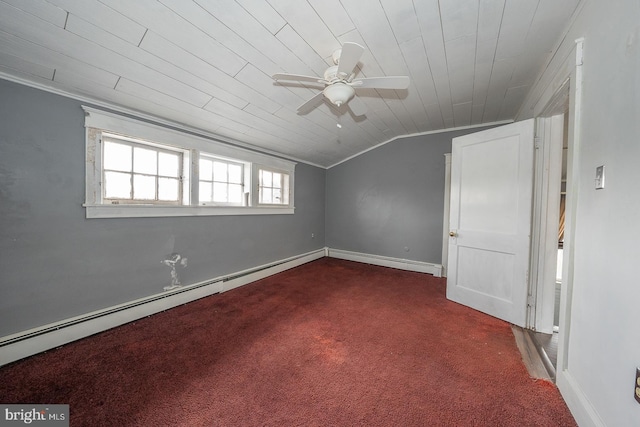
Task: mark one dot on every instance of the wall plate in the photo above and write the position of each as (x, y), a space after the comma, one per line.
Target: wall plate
(600, 177)
(637, 388)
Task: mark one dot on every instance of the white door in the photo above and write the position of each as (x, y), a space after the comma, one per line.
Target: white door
(490, 220)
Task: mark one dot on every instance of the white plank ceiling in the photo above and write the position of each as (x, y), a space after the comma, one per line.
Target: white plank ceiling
(206, 64)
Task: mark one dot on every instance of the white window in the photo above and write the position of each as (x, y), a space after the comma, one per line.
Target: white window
(273, 187)
(139, 169)
(135, 172)
(221, 182)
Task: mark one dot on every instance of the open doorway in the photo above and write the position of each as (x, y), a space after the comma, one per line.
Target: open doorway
(561, 222)
(552, 152)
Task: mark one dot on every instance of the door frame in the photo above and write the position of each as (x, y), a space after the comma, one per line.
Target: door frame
(445, 218)
(567, 76)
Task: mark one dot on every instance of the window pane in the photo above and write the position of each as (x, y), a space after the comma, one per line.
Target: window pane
(235, 193)
(266, 178)
(117, 185)
(168, 189)
(235, 174)
(117, 156)
(277, 196)
(205, 192)
(144, 187)
(219, 171)
(206, 169)
(277, 180)
(265, 195)
(220, 192)
(145, 161)
(169, 165)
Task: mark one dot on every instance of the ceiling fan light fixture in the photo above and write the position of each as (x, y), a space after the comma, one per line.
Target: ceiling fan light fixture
(340, 82)
(339, 93)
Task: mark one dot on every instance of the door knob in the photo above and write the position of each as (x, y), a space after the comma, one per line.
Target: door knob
(452, 233)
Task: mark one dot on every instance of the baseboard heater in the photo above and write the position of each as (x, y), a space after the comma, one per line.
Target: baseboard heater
(125, 313)
(105, 312)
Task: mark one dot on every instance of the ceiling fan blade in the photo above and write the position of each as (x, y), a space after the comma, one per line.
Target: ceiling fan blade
(297, 78)
(357, 106)
(311, 104)
(351, 53)
(393, 82)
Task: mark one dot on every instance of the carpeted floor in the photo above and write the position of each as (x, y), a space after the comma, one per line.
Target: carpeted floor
(330, 343)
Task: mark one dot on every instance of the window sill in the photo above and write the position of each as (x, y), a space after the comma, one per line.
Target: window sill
(149, 211)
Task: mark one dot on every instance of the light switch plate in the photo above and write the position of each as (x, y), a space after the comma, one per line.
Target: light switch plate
(599, 177)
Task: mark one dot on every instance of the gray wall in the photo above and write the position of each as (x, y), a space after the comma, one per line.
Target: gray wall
(55, 263)
(389, 201)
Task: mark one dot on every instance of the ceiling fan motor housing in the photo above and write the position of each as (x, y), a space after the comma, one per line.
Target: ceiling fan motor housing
(331, 74)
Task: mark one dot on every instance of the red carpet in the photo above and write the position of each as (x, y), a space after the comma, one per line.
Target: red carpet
(331, 343)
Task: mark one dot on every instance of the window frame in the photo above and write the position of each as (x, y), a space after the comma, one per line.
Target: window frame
(99, 122)
(245, 180)
(133, 142)
(259, 168)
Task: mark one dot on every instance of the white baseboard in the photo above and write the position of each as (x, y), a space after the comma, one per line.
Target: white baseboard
(245, 277)
(27, 343)
(578, 403)
(402, 264)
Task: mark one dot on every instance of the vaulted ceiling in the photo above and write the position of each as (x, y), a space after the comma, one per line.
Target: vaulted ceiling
(207, 64)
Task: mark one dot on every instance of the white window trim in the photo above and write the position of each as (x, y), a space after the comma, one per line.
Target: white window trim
(256, 184)
(246, 179)
(185, 169)
(153, 211)
(193, 145)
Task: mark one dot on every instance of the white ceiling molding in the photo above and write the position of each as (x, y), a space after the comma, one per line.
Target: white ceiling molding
(431, 132)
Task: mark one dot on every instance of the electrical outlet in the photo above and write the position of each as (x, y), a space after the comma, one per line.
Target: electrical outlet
(637, 392)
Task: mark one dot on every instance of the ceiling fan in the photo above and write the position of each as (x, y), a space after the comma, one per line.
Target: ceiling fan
(340, 82)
